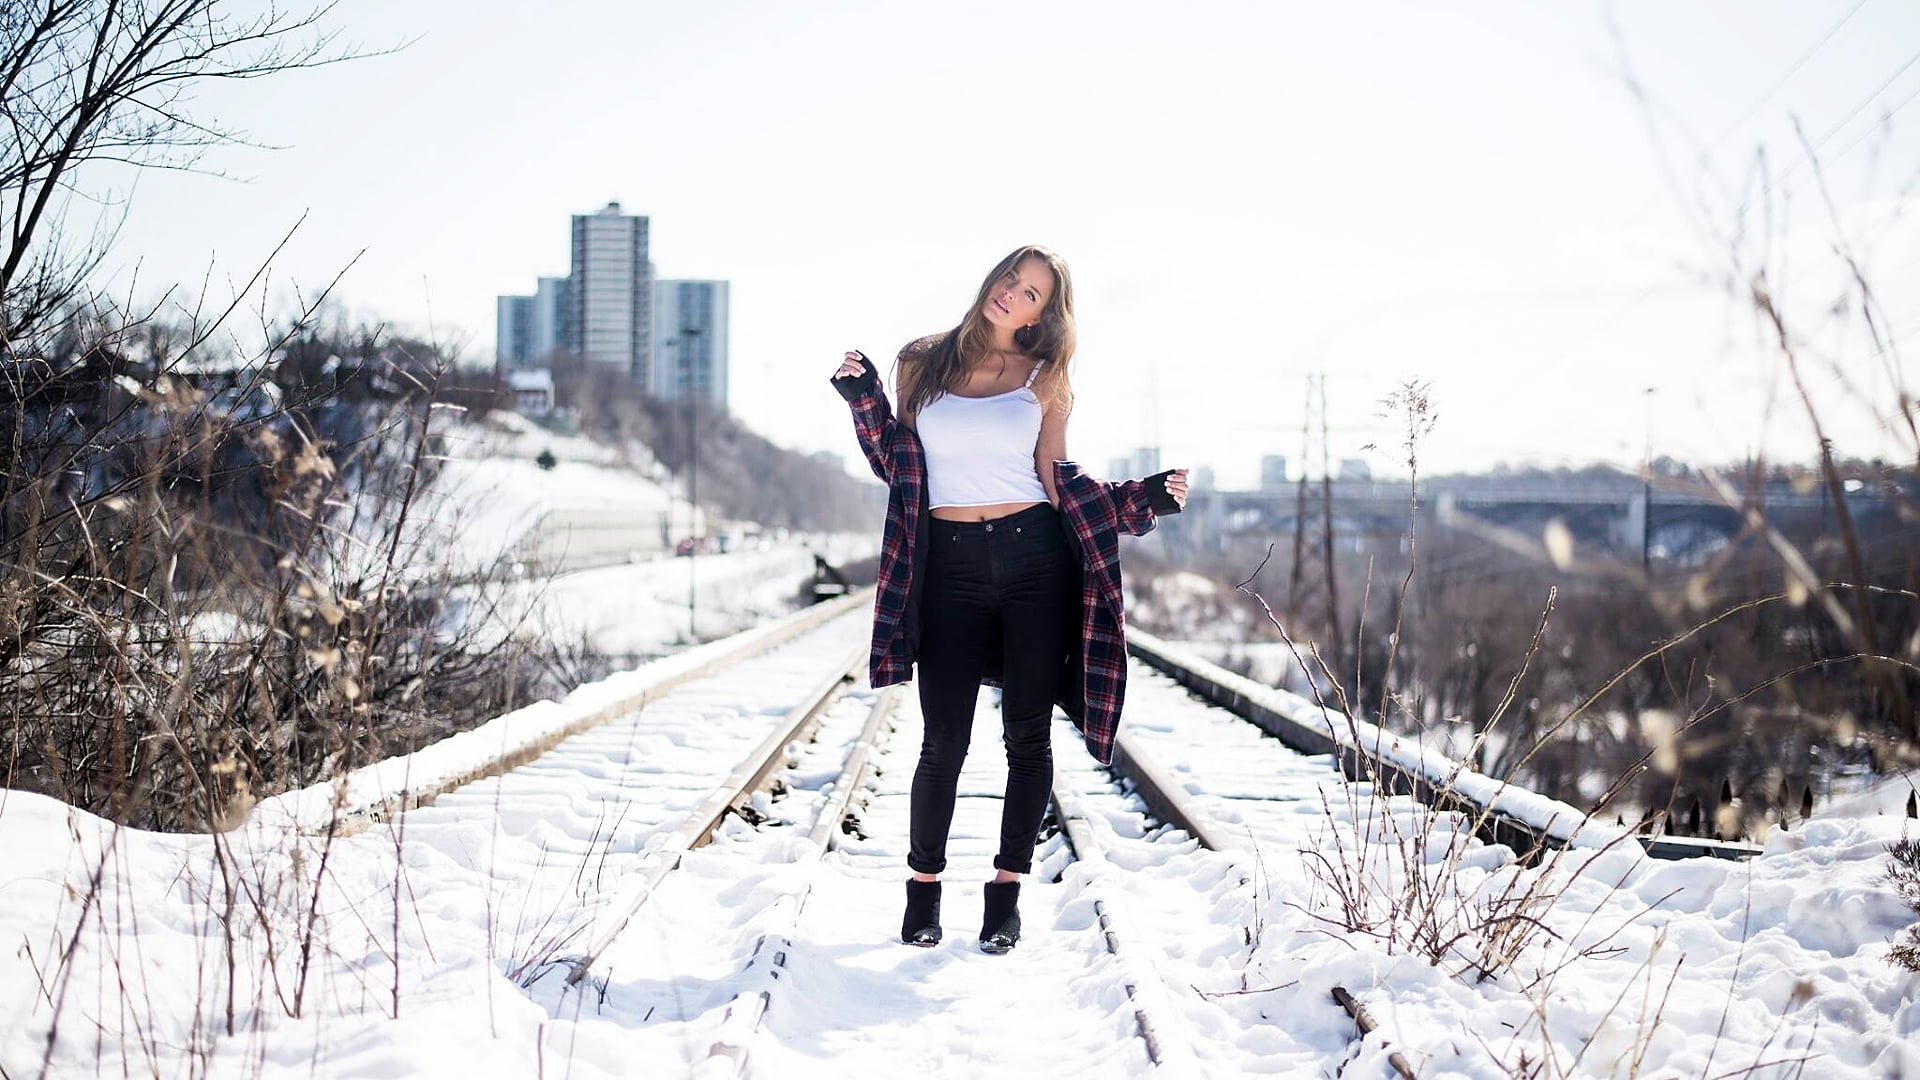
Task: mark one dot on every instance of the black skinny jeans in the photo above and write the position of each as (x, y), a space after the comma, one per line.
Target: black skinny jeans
(1016, 575)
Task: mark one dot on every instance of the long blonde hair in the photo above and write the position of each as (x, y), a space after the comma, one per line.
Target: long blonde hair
(941, 362)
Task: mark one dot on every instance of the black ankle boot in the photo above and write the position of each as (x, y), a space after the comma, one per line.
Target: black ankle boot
(921, 926)
(1000, 926)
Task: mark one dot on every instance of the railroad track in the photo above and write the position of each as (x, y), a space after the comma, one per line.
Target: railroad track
(822, 867)
(1502, 813)
(759, 779)
(816, 910)
(1254, 799)
(1241, 770)
(583, 828)
(380, 791)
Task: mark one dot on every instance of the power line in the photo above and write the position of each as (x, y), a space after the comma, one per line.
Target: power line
(1906, 101)
(1868, 100)
(1754, 110)
(1768, 186)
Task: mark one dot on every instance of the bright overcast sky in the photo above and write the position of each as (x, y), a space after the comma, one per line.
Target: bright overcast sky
(1467, 194)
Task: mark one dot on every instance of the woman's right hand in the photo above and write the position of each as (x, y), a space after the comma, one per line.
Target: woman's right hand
(851, 366)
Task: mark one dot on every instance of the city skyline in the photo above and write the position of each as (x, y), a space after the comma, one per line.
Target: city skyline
(597, 312)
(1542, 213)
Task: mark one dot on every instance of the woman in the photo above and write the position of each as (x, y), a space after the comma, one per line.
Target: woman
(998, 539)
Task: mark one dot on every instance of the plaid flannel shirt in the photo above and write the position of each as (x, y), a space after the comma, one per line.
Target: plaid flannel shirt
(1093, 682)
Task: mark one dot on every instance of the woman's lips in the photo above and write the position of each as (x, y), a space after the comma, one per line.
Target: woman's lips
(1004, 310)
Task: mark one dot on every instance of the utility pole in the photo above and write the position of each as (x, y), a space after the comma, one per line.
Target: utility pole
(1300, 510)
(1308, 580)
(1326, 521)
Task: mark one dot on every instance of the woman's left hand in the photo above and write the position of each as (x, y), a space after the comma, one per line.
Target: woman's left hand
(1177, 487)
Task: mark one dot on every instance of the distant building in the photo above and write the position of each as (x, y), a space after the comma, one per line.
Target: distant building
(513, 331)
(610, 296)
(690, 341)
(1355, 469)
(1202, 478)
(532, 390)
(552, 311)
(1145, 461)
(529, 328)
(1273, 471)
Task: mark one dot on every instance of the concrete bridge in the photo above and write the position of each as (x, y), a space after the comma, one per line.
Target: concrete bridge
(1668, 522)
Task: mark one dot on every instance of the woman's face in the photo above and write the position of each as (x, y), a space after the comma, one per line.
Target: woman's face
(1021, 294)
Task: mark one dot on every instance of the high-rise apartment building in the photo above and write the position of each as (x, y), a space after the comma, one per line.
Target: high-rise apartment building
(529, 328)
(690, 341)
(552, 316)
(610, 294)
(513, 331)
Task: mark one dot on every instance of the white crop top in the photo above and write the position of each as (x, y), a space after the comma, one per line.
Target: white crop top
(980, 450)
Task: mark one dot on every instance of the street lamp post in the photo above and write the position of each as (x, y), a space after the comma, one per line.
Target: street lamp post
(688, 338)
(1646, 493)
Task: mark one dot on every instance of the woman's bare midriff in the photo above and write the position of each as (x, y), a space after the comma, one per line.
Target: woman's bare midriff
(980, 513)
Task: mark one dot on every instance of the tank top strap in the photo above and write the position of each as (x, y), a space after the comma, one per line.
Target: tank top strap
(1030, 375)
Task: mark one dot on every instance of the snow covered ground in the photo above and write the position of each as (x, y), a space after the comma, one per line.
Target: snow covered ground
(491, 491)
(595, 506)
(1267, 663)
(1876, 795)
(611, 520)
(641, 610)
(436, 946)
(397, 951)
(1773, 967)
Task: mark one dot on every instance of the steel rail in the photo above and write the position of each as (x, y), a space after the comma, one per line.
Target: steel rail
(358, 813)
(748, 1009)
(1167, 1045)
(827, 828)
(1162, 794)
(1524, 832)
(696, 829)
(1169, 801)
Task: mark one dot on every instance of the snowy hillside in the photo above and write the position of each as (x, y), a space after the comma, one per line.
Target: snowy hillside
(492, 492)
(604, 524)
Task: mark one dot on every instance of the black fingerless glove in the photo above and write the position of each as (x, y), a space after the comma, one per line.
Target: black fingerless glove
(1159, 499)
(852, 386)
